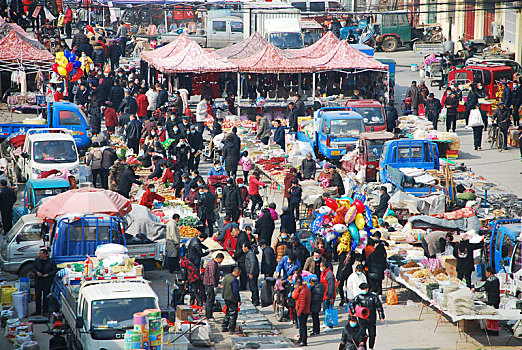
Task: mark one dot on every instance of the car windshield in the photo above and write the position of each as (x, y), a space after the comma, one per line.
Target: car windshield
(118, 313)
(57, 151)
(501, 75)
(374, 149)
(346, 127)
(287, 40)
(14, 230)
(371, 115)
(47, 192)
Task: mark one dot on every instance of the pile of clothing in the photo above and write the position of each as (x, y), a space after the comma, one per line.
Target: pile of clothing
(460, 302)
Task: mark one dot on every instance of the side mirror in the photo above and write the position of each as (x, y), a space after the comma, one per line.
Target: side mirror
(79, 322)
(25, 155)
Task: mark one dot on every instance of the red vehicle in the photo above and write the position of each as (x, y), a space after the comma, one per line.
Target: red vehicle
(371, 111)
(370, 149)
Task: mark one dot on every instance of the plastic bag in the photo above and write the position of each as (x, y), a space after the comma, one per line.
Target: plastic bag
(331, 317)
(391, 297)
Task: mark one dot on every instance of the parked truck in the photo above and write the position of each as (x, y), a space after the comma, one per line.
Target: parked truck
(35, 191)
(408, 154)
(371, 111)
(41, 150)
(332, 132)
(71, 238)
(99, 311)
(65, 115)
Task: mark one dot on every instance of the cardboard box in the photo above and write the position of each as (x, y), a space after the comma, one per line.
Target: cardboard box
(183, 312)
(450, 265)
(470, 325)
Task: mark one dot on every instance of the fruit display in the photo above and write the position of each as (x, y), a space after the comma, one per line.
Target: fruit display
(188, 231)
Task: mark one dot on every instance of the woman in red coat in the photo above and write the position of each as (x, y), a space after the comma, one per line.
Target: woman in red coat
(111, 118)
(143, 104)
(149, 196)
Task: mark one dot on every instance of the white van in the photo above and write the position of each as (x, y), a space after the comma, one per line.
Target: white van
(317, 5)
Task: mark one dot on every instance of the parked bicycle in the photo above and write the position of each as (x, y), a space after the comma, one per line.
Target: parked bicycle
(496, 137)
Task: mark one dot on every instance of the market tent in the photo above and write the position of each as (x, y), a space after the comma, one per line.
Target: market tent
(193, 59)
(271, 60)
(15, 27)
(85, 200)
(245, 48)
(343, 56)
(17, 52)
(320, 48)
(162, 52)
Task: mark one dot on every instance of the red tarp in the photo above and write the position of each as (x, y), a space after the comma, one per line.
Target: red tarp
(15, 47)
(170, 49)
(16, 27)
(271, 60)
(192, 58)
(320, 48)
(245, 48)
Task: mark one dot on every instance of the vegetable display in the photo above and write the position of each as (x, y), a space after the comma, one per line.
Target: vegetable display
(187, 231)
(191, 221)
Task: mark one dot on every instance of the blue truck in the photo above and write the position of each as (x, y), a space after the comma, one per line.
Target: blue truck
(334, 130)
(35, 191)
(504, 234)
(408, 153)
(64, 115)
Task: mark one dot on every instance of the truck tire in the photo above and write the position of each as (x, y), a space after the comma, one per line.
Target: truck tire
(390, 44)
(26, 270)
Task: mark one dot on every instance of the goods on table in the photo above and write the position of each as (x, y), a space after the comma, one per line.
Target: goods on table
(422, 273)
(410, 264)
(460, 302)
(442, 277)
(192, 221)
(437, 271)
(188, 231)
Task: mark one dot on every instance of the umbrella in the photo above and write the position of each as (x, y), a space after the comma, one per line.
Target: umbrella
(85, 200)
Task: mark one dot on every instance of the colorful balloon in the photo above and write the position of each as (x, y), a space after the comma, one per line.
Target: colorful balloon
(350, 215)
(354, 232)
(331, 203)
(63, 62)
(67, 54)
(90, 29)
(62, 71)
(69, 67)
(59, 55)
(359, 221)
(77, 64)
(72, 57)
(339, 215)
(317, 223)
(340, 228)
(360, 197)
(54, 67)
(359, 205)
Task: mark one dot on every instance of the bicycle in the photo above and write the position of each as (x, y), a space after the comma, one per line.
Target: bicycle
(496, 137)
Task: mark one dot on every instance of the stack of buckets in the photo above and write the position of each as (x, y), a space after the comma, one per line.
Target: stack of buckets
(147, 332)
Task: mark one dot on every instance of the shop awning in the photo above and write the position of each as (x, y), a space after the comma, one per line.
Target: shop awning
(320, 48)
(271, 60)
(245, 48)
(165, 51)
(16, 47)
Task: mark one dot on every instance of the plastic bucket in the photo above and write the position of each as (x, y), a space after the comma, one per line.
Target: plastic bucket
(11, 326)
(414, 67)
(7, 295)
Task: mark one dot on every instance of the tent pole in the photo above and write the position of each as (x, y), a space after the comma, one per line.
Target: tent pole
(299, 82)
(387, 93)
(313, 85)
(238, 93)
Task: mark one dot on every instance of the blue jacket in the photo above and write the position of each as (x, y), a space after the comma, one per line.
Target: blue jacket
(288, 270)
(279, 136)
(214, 172)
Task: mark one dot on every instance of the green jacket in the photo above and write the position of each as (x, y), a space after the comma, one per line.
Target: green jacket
(231, 288)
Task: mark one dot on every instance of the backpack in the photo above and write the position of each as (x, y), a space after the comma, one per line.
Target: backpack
(96, 159)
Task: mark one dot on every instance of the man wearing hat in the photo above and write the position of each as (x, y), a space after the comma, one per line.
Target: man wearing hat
(451, 103)
(416, 97)
(372, 302)
(503, 117)
(353, 334)
(433, 108)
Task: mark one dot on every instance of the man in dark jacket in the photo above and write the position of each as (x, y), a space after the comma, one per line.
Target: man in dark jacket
(503, 118)
(353, 334)
(279, 134)
(44, 269)
(308, 167)
(206, 202)
(232, 300)
(292, 117)
(416, 97)
(268, 260)
(380, 211)
(232, 200)
(82, 96)
(163, 96)
(158, 163)
(239, 256)
(196, 250)
(182, 154)
(177, 104)
(391, 117)
(128, 177)
(195, 140)
(108, 158)
(317, 293)
(7, 200)
(211, 281)
(288, 220)
(252, 271)
(298, 248)
(373, 303)
(517, 102)
(506, 94)
(299, 106)
(265, 226)
(451, 103)
(232, 152)
(463, 251)
(116, 94)
(337, 180)
(133, 134)
(130, 102)
(433, 108)
(296, 194)
(114, 55)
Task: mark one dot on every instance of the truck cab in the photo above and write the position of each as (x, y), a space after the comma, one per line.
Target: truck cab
(336, 129)
(369, 150)
(36, 190)
(284, 33)
(75, 236)
(372, 112)
(407, 153)
(100, 311)
(504, 234)
(489, 75)
(48, 149)
(224, 31)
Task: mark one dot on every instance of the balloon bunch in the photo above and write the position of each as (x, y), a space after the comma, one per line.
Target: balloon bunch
(346, 221)
(68, 66)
